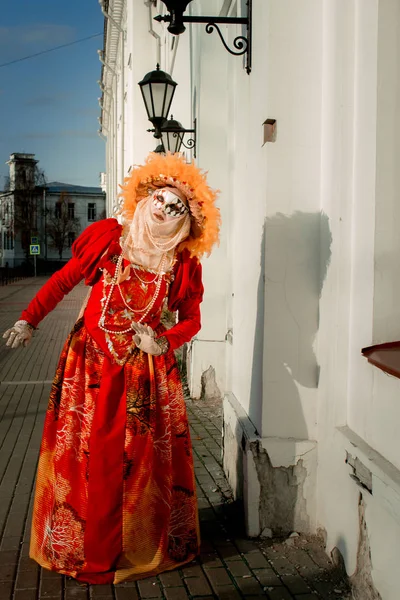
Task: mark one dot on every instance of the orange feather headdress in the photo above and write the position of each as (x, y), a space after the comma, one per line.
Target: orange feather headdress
(162, 170)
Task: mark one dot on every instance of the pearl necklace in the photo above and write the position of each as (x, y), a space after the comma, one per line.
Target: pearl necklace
(145, 310)
(143, 281)
(160, 269)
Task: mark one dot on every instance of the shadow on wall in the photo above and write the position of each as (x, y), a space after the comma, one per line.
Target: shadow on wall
(295, 255)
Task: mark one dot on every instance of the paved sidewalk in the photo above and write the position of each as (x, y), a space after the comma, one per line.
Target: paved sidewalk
(230, 566)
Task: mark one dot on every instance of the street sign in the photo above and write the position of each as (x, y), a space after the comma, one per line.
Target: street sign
(34, 249)
(34, 240)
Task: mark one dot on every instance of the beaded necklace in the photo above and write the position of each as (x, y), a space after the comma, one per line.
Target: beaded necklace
(145, 310)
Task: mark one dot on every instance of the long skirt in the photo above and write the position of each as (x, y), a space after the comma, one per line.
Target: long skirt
(115, 495)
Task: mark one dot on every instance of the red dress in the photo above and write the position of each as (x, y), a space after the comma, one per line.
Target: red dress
(115, 495)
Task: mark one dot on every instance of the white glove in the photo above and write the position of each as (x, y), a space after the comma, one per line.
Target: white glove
(145, 340)
(19, 335)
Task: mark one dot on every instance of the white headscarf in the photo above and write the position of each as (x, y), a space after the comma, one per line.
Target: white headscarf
(148, 239)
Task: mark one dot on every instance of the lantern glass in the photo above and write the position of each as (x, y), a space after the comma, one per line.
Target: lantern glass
(157, 98)
(172, 134)
(158, 90)
(172, 141)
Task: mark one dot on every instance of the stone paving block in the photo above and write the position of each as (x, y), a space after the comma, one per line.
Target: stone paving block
(214, 498)
(10, 543)
(27, 579)
(102, 591)
(325, 588)
(283, 566)
(229, 552)
(192, 570)
(70, 582)
(51, 587)
(7, 572)
(227, 592)
(210, 560)
(125, 593)
(239, 569)
(248, 585)
(295, 584)
(76, 594)
(218, 576)
(280, 593)
(171, 579)
(317, 554)
(8, 557)
(24, 547)
(46, 574)
(176, 593)
(301, 559)
(267, 577)
(27, 564)
(198, 586)
(6, 590)
(256, 560)
(149, 588)
(203, 503)
(25, 594)
(246, 546)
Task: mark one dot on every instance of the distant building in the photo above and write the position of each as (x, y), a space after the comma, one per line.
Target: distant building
(34, 211)
(88, 204)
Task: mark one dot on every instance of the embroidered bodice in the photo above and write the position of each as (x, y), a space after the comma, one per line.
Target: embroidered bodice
(96, 249)
(129, 301)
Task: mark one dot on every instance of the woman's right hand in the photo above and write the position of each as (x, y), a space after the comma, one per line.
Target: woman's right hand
(20, 334)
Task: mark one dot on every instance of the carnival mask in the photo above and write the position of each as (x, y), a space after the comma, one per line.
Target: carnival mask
(167, 201)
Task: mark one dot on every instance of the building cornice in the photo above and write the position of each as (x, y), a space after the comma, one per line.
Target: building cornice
(112, 37)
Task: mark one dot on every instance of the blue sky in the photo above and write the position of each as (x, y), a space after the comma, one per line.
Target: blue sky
(48, 104)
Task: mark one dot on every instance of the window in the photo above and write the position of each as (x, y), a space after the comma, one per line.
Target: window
(71, 238)
(71, 210)
(57, 210)
(8, 240)
(91, 211)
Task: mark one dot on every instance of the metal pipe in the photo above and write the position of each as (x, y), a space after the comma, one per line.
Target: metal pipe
(109, 17)
(155, 35)
(103, 62)
(122, 150)
(120, 175)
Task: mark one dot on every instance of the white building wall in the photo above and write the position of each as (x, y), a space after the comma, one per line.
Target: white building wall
(306, 272)
(356, 401)
(210, 92)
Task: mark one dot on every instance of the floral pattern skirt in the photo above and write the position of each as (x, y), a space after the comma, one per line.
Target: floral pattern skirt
(115, 495)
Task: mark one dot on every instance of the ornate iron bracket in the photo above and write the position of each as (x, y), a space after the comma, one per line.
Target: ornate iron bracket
(241, 43)
(189, 143)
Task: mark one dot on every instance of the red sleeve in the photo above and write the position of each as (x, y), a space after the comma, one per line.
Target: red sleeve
(91, 245)
(189, 318)
(86, 253)
(53, 291)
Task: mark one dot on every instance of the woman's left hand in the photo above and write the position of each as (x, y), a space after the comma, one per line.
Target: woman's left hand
(145, 339)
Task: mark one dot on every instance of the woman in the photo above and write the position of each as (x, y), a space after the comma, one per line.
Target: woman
(115, 496)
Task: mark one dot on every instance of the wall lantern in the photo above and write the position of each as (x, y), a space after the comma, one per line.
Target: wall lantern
(160, 149)
(157, 89)
(176, 20)
(173, 135)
